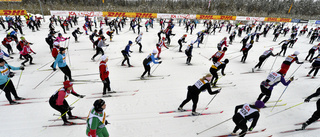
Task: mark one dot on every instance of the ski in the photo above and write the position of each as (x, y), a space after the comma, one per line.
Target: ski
(299, 129)
(106, 96)
(158, 76)
(85, 74)
(82, 118)
(19, 103)
(175, 111)
(94, 80)
(224, 83)
(116, 92)
(190, 115)
(29, 99)
(52, 69)
(58, 125)
(304, 122)
(252, 132)
(252, 72)
(148, 78)
(223, 86)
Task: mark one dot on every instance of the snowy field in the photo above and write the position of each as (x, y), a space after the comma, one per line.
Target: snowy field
(138, 115)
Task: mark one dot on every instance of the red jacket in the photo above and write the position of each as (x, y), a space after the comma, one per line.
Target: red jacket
(104, 72)
(26, 50)
(6, 41)
(55, 51)
(219, 55)
(62, 94)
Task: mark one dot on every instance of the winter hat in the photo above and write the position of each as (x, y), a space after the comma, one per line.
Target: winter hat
(259, 104)
(67, 84)
(192, 42)
(22, 38)
(226, 61)
(104, 57)
(207, 77)
(98, 105)
(271, 49)
(62, 49)
(56, 43)
(130, 42)
(225, 49)
(296, 53)
(1, 60)
(155, 51)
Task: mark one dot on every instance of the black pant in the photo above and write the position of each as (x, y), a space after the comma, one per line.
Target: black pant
(98, 50)
(67, 72)
(264, 92)
(27, 57)
(311, 53)
(2, 25)
(244, 57)
(284, 49)
(316, 114)
(316, 67)
(188, 57)
(9, 88)
(312, 39)
(50, 43)
(140, 47)
(261, 60)
(191, 96)
(180, 44)
(75, 36)
(20, 29)
(106, 86)
(214, 76)
(241, 123)
(126, 58)
(147, 67)
(62, 109)
(9, 48)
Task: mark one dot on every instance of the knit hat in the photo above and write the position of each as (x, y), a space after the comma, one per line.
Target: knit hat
(1, 60)
(22, 38)
(104, 57)
(155, 51)
(271, 49)
(259, 104)
(56, 43)
(67, 84)
(62, 49)
(296, 53)
(130, 42)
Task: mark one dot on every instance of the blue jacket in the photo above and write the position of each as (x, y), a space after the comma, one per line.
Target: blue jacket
(127, 49)
(5, 70)
(153, 59)
(60, 60)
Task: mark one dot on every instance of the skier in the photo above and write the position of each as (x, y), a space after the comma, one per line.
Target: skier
(215, 68)
(263, 57)
(218, 55)
(138, 41)
(195, 90)
(292, 42)
(276, 35)
(221, 43)
(272, 80)
(288, 61)
(60, 38)
(109, 33)
(21, 44)
(245, 51)
(232, 36)
(75, 32)
(249, 113)
(159, 45)
(62, 64)
(26, 54)
(104, 75)
(182, 39)
(57, 101)
(315, 66)
(284, 46)
(50, 39)
(147, 61)
(311, 51)
(126, 55)
(6, 43)
(99, 47)
(94, 34)
(244, 41)
(316, 115)
(5, 82)
(2, 53)
(96, 122)
(188, 52)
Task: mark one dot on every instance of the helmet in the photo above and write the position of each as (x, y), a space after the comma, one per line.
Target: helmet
(104, 57)
(155, 51)
(185, 35)
(192, 41)
(259, 104)
(130, 42)
(98, 105)
(59, 34)
(296, 53)
(225, 49)
(225, 38)
(226, 61)
(271, 49)
(163, 38)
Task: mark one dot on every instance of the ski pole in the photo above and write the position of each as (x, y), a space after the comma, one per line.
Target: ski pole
(213, 126)
(286, 109)
(235, 57)
(52, 75)
(264, 62)
(19, 79)
(44, 65)
(273, 64)
(295, 71)
(43, 80)
(206, 106)
(5, 86)
(279, 98)
(69, 109)
(155, 69)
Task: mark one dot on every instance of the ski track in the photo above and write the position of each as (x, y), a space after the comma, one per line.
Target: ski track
(138, 116)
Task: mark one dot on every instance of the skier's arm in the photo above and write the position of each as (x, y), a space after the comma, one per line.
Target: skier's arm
(255, 116)
(4, 53)
(313, 95)
(154, 60)
(13, 68)
(237, 108)
(208, 87)
(74, 93)
(283, 81)
(223, 66)
(59, 57)
(297, 61)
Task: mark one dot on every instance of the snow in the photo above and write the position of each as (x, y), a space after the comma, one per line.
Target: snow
(138, 115)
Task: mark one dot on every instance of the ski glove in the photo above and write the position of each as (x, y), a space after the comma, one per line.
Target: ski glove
(70, 108)
(54, 69)
(160, 62)
(11, 57)
(21, 68)
(292, 78)
(11, 74)
(92, 133)
(250, 129)
(104, 81)
(82, 96)
(307, 100)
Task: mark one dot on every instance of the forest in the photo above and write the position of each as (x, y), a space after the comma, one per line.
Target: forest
(301, 9)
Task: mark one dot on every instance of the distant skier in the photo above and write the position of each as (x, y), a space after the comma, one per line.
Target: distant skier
(284, 46)
(138, 41)
(288, 61)
(221, 43)
(214, 71)
(195, 90)
(249, 113)
(245, 51)
(188, 52)
(26, 54)
(57, 101)
(182, 40)
(272, 80)
(99, 46)
(147, 61)
(159, 46)
(75, 32)
(218, 55)
(96, 122)
(315, 66)
(126, 55)
(311, 51)
(61, 61)
(104, 75)
(263, 57)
